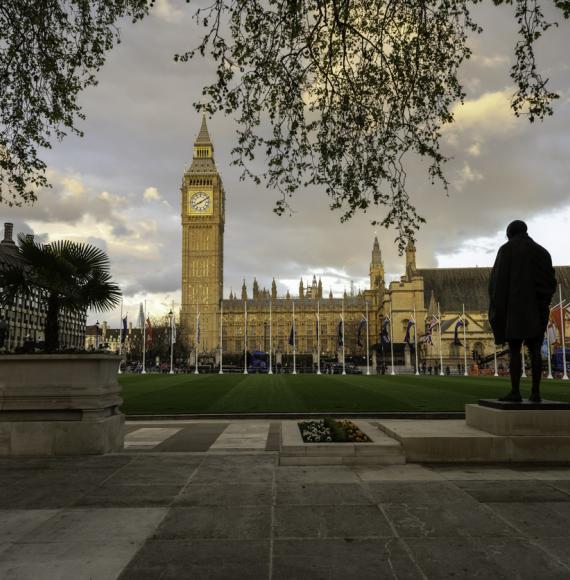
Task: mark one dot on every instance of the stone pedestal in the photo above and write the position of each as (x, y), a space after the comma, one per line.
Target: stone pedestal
(549, 418)
(60, 405)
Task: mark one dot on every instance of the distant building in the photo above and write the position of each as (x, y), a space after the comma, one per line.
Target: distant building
(26, 318)
(109, 339)
(245, 317)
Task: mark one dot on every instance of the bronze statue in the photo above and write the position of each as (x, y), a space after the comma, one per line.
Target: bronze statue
(520, 290)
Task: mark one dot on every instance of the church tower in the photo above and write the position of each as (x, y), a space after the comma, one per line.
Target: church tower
(203, 206)
(376, 267)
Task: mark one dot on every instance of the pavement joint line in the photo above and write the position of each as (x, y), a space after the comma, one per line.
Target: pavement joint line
(404, 544)
(552, 484)
(272, 520)
(104, 481)
(530, 539)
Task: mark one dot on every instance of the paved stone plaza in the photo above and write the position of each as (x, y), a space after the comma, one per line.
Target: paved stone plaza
(208, 500)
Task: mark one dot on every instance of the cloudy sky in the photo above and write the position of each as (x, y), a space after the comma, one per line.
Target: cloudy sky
(119, 186)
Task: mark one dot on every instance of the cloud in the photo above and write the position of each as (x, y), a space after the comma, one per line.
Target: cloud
(489, 114)
(151, 194)
(164, 10)
(466, 175)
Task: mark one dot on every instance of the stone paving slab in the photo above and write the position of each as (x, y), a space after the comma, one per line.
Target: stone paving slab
(149, 437)
(327, 522)
(348, 559)
(159, 514)
(501, 558)
(220, 494)
(200, 559)
(531, 491)
(215, 523)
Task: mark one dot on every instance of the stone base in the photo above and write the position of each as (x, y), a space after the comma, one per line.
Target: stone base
(53, 438)
(520, 421)
(525, 405)
(454, 441)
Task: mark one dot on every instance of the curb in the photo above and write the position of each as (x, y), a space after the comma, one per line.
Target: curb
(286, 416)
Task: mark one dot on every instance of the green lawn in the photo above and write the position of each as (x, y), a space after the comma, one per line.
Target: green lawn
(167, 394)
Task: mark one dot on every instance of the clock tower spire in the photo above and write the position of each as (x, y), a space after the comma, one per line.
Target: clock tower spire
(203, 217)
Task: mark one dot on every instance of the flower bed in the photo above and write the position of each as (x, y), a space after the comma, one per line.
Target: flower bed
(331, 431)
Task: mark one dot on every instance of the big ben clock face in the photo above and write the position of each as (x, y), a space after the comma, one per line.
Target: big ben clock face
(200, 203)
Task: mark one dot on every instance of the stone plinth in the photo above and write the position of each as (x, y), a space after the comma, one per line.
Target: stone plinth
(60, 405)
(520, 419)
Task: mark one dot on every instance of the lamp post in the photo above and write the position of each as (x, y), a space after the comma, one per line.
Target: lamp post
(171, 318)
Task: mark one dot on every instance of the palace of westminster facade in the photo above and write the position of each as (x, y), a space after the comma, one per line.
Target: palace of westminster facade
(203, 221)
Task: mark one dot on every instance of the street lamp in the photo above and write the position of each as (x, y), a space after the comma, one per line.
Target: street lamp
(171, 317)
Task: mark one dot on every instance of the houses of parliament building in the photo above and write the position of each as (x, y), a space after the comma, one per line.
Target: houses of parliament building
(203, 223)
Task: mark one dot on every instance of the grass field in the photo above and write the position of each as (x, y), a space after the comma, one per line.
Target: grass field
(173, 394)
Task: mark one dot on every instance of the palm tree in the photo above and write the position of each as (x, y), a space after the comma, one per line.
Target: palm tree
(67, 275)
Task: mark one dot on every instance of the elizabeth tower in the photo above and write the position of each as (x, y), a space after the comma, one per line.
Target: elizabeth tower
(202, 245)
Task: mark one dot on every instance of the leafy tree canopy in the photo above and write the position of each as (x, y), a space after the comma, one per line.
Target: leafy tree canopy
(351, 88)
(348, 88)
(49, 52)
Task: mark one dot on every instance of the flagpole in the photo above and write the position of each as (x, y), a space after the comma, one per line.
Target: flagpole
(270, 341)
(121, 339)
(172, 327)
(391, 342)
(523, 361)
(440, 351)
(495, 357)
(465, 373)
(143, 372)
(548, 352)
(245, 337)
(294, 341)
(196, 371)
(416, 341)
(565, 375)
(318, 337)
(367, 344)
(343, 358)
(221, 372)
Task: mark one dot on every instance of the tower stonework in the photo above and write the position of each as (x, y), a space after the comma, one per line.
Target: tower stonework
(376, 267)
(202, 215)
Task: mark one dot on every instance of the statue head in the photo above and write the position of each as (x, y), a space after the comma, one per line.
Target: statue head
(516, 228)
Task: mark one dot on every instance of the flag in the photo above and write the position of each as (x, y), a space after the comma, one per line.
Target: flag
(408, 337)
(317, 327)
(359, 331)
(124, 330)
(140, 321)
(544, 349)
(292, 334)
(149, 331)
(552, 331)
(456, 340)
(557, 315)
(428, 338)
(340, 333)
(198, 330)
(173, 330)
(385, 334)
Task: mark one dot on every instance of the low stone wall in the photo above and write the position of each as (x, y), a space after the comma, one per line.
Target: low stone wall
(60, 405)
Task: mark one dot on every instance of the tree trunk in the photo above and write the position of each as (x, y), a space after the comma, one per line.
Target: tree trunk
(52, 324)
